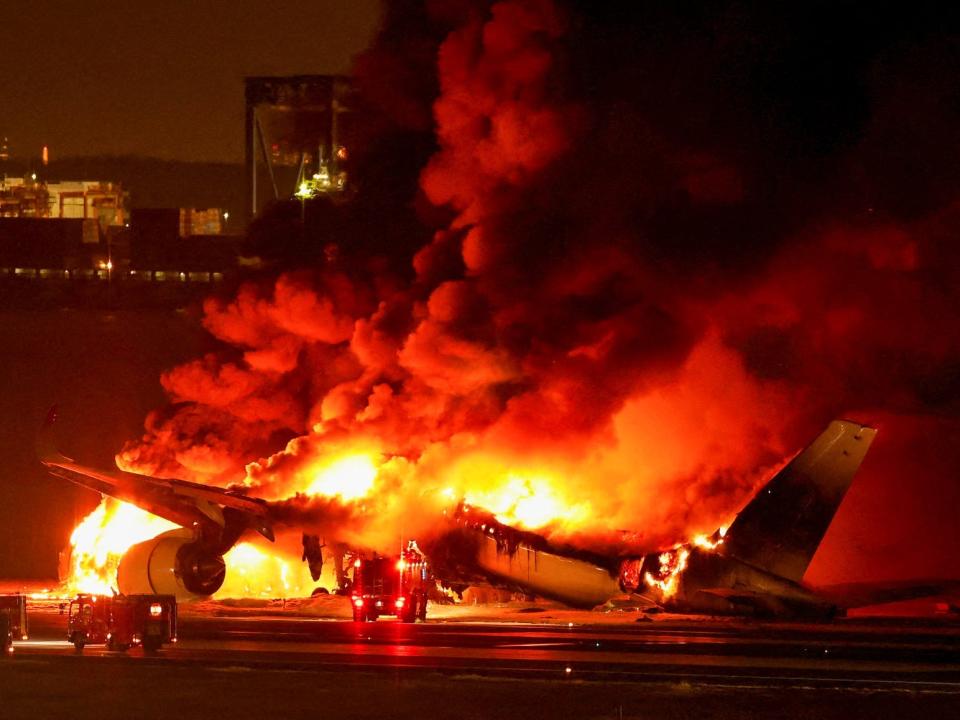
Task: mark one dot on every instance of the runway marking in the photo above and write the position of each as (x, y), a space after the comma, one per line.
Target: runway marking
(42, 644)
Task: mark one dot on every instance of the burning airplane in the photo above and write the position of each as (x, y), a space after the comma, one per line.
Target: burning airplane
(576, 314)
(755, 566)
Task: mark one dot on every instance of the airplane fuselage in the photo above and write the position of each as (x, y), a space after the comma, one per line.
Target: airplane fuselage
(716, 583)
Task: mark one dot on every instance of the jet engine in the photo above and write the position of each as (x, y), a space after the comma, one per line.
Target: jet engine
(172, 563)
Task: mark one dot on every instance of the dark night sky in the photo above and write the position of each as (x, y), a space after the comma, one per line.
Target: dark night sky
(162, 79)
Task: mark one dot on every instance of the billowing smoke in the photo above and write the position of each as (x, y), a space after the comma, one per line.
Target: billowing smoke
(651, 253)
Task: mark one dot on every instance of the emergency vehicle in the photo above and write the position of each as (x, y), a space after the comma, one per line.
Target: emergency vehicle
(391, 586)
(122, 621)
(13, 621)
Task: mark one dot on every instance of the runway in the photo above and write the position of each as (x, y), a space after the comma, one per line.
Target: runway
(863, 656)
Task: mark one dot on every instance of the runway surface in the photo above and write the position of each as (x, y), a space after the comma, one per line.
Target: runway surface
(734, 669)
(868, 656)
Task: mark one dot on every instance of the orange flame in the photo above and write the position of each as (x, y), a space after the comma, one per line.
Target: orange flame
(672, 564)
(265, 572)
(351, 477)
(711, 542)
(99, 542)
(529, 497)
(528, 502)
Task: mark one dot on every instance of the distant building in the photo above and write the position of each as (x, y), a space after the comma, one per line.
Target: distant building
(157, 245)
(89, 199)
(298, 136)
(23, 197)
(29, 197)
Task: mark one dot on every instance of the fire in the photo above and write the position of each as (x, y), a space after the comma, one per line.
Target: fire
(711, 542)
(98, 543)
(515, 496)
(672, 564)
(516, 492)
(530, 502)
(254, 571)
(351, 477)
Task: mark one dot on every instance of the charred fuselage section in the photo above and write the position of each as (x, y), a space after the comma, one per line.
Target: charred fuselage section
(477, 548)
(756, 568)
(707, 580)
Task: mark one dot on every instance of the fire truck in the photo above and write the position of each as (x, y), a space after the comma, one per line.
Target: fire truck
(13, 621)
(122, 621)
(395, 585)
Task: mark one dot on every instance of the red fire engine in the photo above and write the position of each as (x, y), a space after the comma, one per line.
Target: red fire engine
(391, 586)
(121, 621)
(13, 621)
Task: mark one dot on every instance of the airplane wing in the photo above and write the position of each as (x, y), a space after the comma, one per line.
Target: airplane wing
(188, 504)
